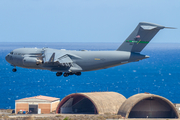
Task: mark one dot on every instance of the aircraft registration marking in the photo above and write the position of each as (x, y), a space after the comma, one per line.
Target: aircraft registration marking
(97, 59)
(133, 41)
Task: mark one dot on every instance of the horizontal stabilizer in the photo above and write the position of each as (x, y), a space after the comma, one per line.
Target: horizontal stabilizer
(140, 37)
(170, 28)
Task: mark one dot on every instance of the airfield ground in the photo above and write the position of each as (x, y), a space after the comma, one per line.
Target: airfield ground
(8, 115)
(69, 117)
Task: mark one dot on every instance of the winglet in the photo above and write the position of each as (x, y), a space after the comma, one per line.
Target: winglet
(52, 58)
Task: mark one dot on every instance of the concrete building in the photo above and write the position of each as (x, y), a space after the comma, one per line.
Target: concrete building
(177, 105)
(37, 104)
(91, 103)
(147, 105)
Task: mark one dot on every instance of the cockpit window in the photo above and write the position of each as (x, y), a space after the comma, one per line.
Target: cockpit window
(11, 52)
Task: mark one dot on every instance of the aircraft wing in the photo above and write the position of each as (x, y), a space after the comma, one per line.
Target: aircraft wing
(53, 58)
(64, 59)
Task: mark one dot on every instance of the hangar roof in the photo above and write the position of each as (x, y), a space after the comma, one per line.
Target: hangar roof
(128, 105)
(39, 98)
(105, 102)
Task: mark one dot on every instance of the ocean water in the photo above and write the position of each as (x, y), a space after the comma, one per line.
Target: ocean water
(159, 74)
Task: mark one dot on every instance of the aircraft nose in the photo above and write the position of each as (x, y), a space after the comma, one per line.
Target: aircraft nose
(7, 57)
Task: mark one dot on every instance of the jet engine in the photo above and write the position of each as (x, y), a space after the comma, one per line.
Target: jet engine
(31, 61)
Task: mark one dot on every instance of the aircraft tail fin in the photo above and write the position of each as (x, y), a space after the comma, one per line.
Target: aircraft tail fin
(140, 37)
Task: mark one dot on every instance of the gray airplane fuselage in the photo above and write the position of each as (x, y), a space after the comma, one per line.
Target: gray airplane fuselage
(75, 62)
(87, 60)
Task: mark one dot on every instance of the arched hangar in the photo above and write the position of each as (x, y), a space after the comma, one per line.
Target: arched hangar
(146, 105)
(91, 103)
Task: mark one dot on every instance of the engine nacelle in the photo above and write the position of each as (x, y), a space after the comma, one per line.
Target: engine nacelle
(31, 61)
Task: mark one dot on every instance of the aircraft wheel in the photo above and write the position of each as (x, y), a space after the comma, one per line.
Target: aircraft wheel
(58, 73)
(65, 74)
(71, 73)
(14, 70)
(78, 73)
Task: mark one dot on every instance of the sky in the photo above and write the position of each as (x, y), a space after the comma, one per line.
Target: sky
(85, 20)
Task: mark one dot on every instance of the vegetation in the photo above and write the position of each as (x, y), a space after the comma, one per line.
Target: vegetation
(66, 118)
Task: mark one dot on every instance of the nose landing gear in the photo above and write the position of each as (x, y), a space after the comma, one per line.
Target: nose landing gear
(14, 69)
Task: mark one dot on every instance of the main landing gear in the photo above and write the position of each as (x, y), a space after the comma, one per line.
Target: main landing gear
(67, 74)
(58, 73)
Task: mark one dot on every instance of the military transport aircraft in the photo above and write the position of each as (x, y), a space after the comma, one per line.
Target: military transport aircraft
(75, 62)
